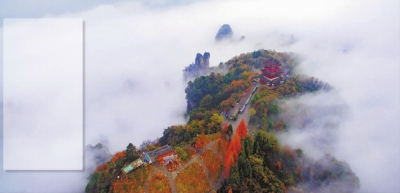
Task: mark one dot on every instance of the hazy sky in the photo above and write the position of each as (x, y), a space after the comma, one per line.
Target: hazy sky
(135, 54)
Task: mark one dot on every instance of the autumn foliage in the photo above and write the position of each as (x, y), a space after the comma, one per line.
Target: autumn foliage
(287, 150)
(228, 163)
(225, 128)
(279, 165)
(298, 170)
(213, 137)
(235, 147)
(132, 182)
(224, 132)
(202, 141)
(242, 129)
(192, 179)
(212, 162)
(159, 184)
(101, 167)
(118, 156)
(232, 154)
(221, 146)
(190, 153)
(283, 187)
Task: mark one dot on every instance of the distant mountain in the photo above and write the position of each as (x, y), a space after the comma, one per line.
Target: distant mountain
(224, 32)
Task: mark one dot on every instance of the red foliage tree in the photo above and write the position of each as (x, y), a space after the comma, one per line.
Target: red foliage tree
(236, 146)
(298, 170)
(225, 128)
(283, 187)
(279, 165)
(286, 149)
(118, 156)
(241, 130)
(232, 153)
(101, 167)
(201, 141)
(224, 133)
(228, 163)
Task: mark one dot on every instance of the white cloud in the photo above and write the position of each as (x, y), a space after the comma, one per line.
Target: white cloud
(43, 94)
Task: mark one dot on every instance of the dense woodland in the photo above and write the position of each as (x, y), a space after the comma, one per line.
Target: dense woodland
(256, 163)
(262, 165)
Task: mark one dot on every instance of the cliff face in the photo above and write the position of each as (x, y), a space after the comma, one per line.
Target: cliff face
(200, 67)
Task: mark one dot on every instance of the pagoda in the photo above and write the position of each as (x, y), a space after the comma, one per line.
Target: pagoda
(272, 75)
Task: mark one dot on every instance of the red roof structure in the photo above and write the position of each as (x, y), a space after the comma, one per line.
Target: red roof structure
(271, 73)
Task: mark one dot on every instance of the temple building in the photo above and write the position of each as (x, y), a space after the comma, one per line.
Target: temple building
(164, 155)
(272, 75)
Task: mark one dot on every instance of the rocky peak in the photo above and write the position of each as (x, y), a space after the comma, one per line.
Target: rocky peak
(202, 61)
(200, 66)
(224, 32)
(199, 59)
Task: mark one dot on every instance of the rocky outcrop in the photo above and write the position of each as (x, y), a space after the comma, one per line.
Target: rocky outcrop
(200, 67)
(203, 61)
(206, 57)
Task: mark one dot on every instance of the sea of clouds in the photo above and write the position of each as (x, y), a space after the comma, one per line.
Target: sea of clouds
(135, 53)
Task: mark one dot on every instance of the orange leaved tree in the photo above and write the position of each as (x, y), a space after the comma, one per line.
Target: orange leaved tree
(287, 150)
(101, 167)
(236, 146)
(201, 141)
(224, 132)
(228, 163)
(278, 164)
(118, 156)
(232, 154)
(225, 128)
(241, 130)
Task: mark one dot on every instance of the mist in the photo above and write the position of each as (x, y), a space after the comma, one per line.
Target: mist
(134, 88)
(313, 121)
